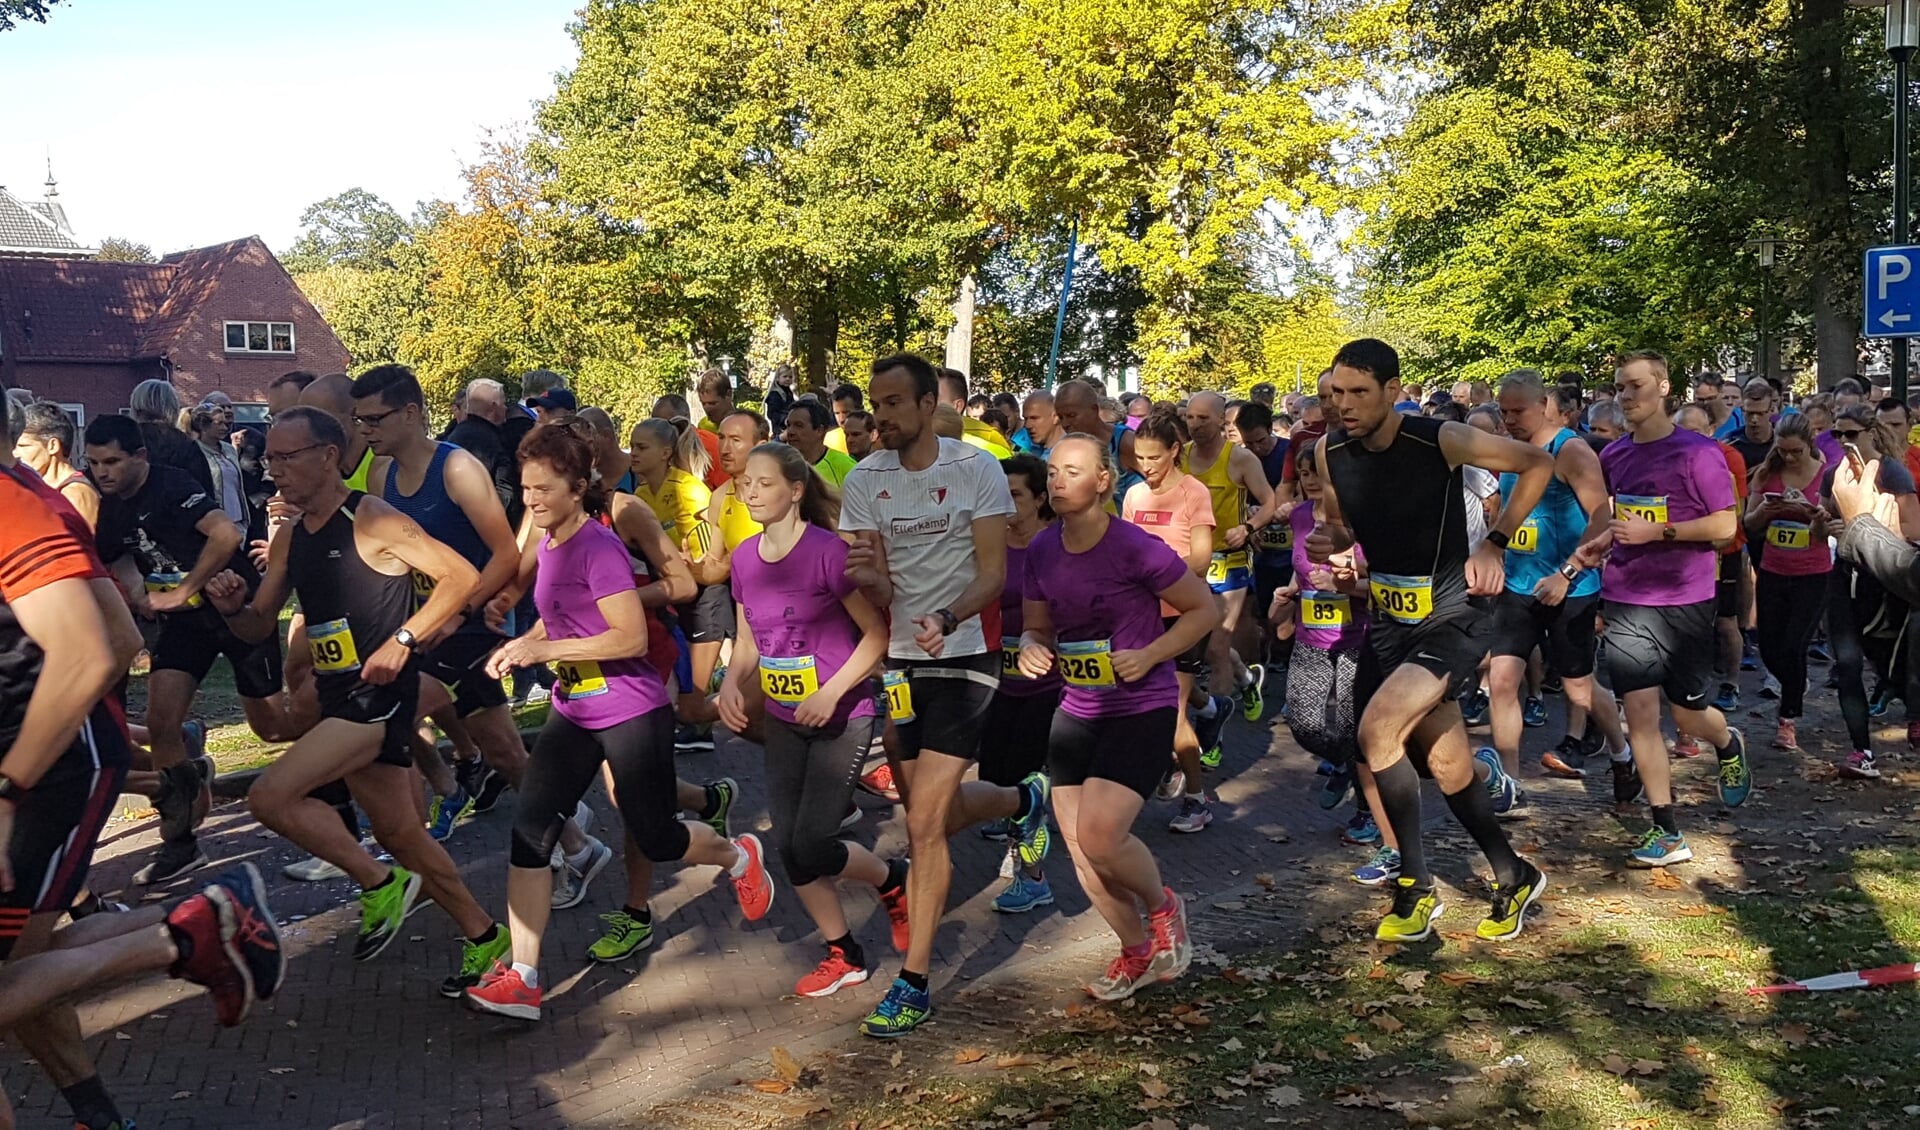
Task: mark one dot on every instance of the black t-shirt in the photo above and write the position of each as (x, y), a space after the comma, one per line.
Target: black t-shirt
(1753, 451)
(156, 527)
(1894, 479)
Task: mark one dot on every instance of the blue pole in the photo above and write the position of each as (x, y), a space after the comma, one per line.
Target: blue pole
(1066, 291)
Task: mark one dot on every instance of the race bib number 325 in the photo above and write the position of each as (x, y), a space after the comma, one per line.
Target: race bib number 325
(789, 681)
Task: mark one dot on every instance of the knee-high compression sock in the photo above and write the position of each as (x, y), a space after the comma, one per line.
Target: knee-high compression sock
(1400, 796)
(1474, 809)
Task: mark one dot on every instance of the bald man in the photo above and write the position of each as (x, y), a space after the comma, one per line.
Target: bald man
(1042, 425)
(333, 394)
(1077, 405)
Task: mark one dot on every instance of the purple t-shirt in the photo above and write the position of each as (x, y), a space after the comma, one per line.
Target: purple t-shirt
(1329, 621)
(574, 576)
(803, 630)
(1013, 617)
(1669, 481)
(1102, 601)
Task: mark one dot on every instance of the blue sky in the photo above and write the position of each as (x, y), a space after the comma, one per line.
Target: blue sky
(188, 122)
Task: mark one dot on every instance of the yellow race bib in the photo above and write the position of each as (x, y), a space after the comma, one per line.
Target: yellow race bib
(789, 681)
(1325, 609)
(1278, 536)
(1790, 535)
(899, 697)
(1526, 539)
(1088, 664)
(1010, 658)
(331, 645)
(1406, 599)
(422, 586)
(167, 582)
(1224, 563)
(1652, 508)
(580, 678)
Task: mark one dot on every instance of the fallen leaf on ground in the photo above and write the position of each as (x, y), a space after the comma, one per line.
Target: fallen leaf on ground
(1386, 1022)
(1795, 1035)
(1233, 1044)
(1665, 880)
(785, 1066)
(1019, 1059)
(772, 1086)
(1155, 1088)
(969, 1055)
(1412, 980)
(1462, 980)
(1522, 1002)
(1284, 1096)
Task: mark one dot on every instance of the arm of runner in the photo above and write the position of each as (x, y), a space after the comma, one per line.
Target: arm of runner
(1200, 614)
(1330, 536)
(395, 535)
(84, 499)
(1578, 465)
(78, 669)
(867, 565)
(1199, 554)
(1465, 445)
(716, 568)
(1245, 469)
(471, 488)
(1633, 530)
(223, 541)
(640, 528)
(732, 700)
(504, 601)
(123, 635)
(127, 571)
(989, 577)
(257, 620)
(625, 637)
(871, 650)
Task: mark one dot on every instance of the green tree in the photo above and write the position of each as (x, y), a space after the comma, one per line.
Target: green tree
(15, 11)
(354, 229)
(113, 249)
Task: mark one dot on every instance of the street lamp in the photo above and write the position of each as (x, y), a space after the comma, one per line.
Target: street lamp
(1764, 248)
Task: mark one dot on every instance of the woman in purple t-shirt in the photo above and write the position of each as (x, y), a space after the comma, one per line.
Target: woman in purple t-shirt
(1092, 605)
(609, 706)
(810, 642)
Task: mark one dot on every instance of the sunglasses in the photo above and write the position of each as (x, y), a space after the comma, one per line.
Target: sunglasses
(1848, 433)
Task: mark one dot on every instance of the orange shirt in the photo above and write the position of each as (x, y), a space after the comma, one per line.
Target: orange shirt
(1737, 466)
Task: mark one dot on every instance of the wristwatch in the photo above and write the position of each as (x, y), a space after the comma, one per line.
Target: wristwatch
(1570, 572)
(948, 621)
(1668, 533)
(1500, 540)
(10, 790)
(406, 639)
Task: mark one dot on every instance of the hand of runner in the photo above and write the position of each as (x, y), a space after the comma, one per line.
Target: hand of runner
(173, 600)
(433, 639)
(1035, 661)
(814, 710)
(386, 663)
(930, 636)
(1594, 552)
(861, 565)
(513, 653)
(1325, 541)
(1551, 590)
(1235, 537)
(1130, 666)
(257, 553)
(1486, 570)
(1634, 530)
(1856, 495)
(732, 706)
(226, 592)
(497, 611)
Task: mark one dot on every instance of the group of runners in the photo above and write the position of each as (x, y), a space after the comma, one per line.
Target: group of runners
(1032, 631)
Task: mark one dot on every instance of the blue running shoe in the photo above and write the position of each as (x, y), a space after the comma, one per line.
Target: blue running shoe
(1736, 778)
(1533, 712)
(1474, 708)
(1361, 830)
(1023, 894)
(1381, 869)
(1334, 790)
(1033, 834)
(999, 831)
(1500, 787)
(447, 811)
(901, 1012)
(1658, 848)
(1728, 699)
(1880, 703)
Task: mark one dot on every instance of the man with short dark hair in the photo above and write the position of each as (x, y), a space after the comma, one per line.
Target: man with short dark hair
(953, 393)
(286, 388)
(857, 430)
(46, 445)
(1755, 437)
(1042, 424)
(806, 431)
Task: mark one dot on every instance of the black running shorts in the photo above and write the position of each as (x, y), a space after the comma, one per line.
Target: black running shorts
(459, 662)
(191, 642)
(1130, 749)
(58, 823)
(708, 618)
(1564, 631)
(391, 707)
(1451, 649)
(940, 704)
(1669, 648)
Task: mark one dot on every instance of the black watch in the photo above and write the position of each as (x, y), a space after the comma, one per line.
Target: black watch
(406, 639)
(948, 621)
(11, 790)
(1499, 539)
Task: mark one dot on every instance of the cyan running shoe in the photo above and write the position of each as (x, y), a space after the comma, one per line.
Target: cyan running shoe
(1361, 831)
(1500, 787)
(900, 1012)
(1736, 777)
(1334, 790)
(999, 831)
(1728, 699)
(1023, 894)
(1659, 848)
(1474, 708)
(1533, 712)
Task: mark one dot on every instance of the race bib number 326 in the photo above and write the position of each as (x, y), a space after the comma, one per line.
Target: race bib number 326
(1088, 664)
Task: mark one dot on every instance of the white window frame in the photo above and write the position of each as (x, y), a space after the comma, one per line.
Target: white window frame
(79, 414)
(293, 342)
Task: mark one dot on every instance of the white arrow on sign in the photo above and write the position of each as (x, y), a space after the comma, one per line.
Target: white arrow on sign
(1890, 319)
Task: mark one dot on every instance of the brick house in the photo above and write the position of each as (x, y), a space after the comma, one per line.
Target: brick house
(83, 332)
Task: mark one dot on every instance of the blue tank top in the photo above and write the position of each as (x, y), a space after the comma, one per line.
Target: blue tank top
(1127, 477)
(437, 514)
(1550, 534)
(1276, 546)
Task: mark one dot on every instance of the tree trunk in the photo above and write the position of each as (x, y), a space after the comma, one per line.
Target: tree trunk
(1825, 201)
(960, 336)
(823, 333)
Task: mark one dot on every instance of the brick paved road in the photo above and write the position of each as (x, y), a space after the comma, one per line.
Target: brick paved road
(375, 1046)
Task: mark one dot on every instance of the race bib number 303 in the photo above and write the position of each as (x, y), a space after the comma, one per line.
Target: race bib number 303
(1648, 507)
(1408, 600)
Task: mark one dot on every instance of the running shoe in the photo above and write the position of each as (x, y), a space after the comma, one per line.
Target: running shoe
(1568, 759)
(1728, 699)
(755, 887)
(467, 772)
(1880, 703)
(625, 936)
(1211, 757)
(255, 944)
(1552, 684)
(1500, 787)
(895, 904)
(1659, 848)
(445, 812)
(382, 912)
(1034, 838)
(1361, 830)
(1510, 905)
(1686, 747)
(504, 992)
(1001, 830)
(1334, 790)
(693, 739)
(1209, 731)
(1859, 766)
(1818, 652)
(492, 784)
(312, 869)
(1194, 815)
(1124, 975)
(194, 735)
(1253, 699)
(1770, 688)
(175, 801)
(171, 861)
(1749, 654)
(570, 885)
(202, 930)
(1786, 736)
(1415, 909)
(720, 797)
(1381, 868)
(1627, 789)
(476, 959)
(94, 904)
(831, 975)
(879, 782)
(1533, 712)
(1736, 777)
(1474, 708)
(901, 1011)
(1022, 894)
(1172, 948)
(1172, 787)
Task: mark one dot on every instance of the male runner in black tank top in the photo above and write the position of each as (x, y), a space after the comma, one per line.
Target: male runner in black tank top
(1394, 485)
(355, 559)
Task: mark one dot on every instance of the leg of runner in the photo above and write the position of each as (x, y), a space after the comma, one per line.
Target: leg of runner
(1849, 664)
(1788, 608)
(1115, 869)
(1503, 703)
(1517, 884)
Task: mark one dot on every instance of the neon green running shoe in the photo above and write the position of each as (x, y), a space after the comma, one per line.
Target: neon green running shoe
(899, 1013)
(383, 910)
(626, 935)
(1510, 905)
(1414, 911)
(1253, 700)
(1210, 759)
(476, 958)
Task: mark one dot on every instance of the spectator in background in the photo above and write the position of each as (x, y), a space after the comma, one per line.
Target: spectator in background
(533, 383)
(212, 425)
(1605, 423)
(953, 393)
(454, 416)
(806, 431)
(1897, 434)
(1572, 405)
(977, 406)
(155, 406)
(47, 446)
(857, 431)
(1262, 393)
(780, 395)
(553, 406)
(478, 432)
